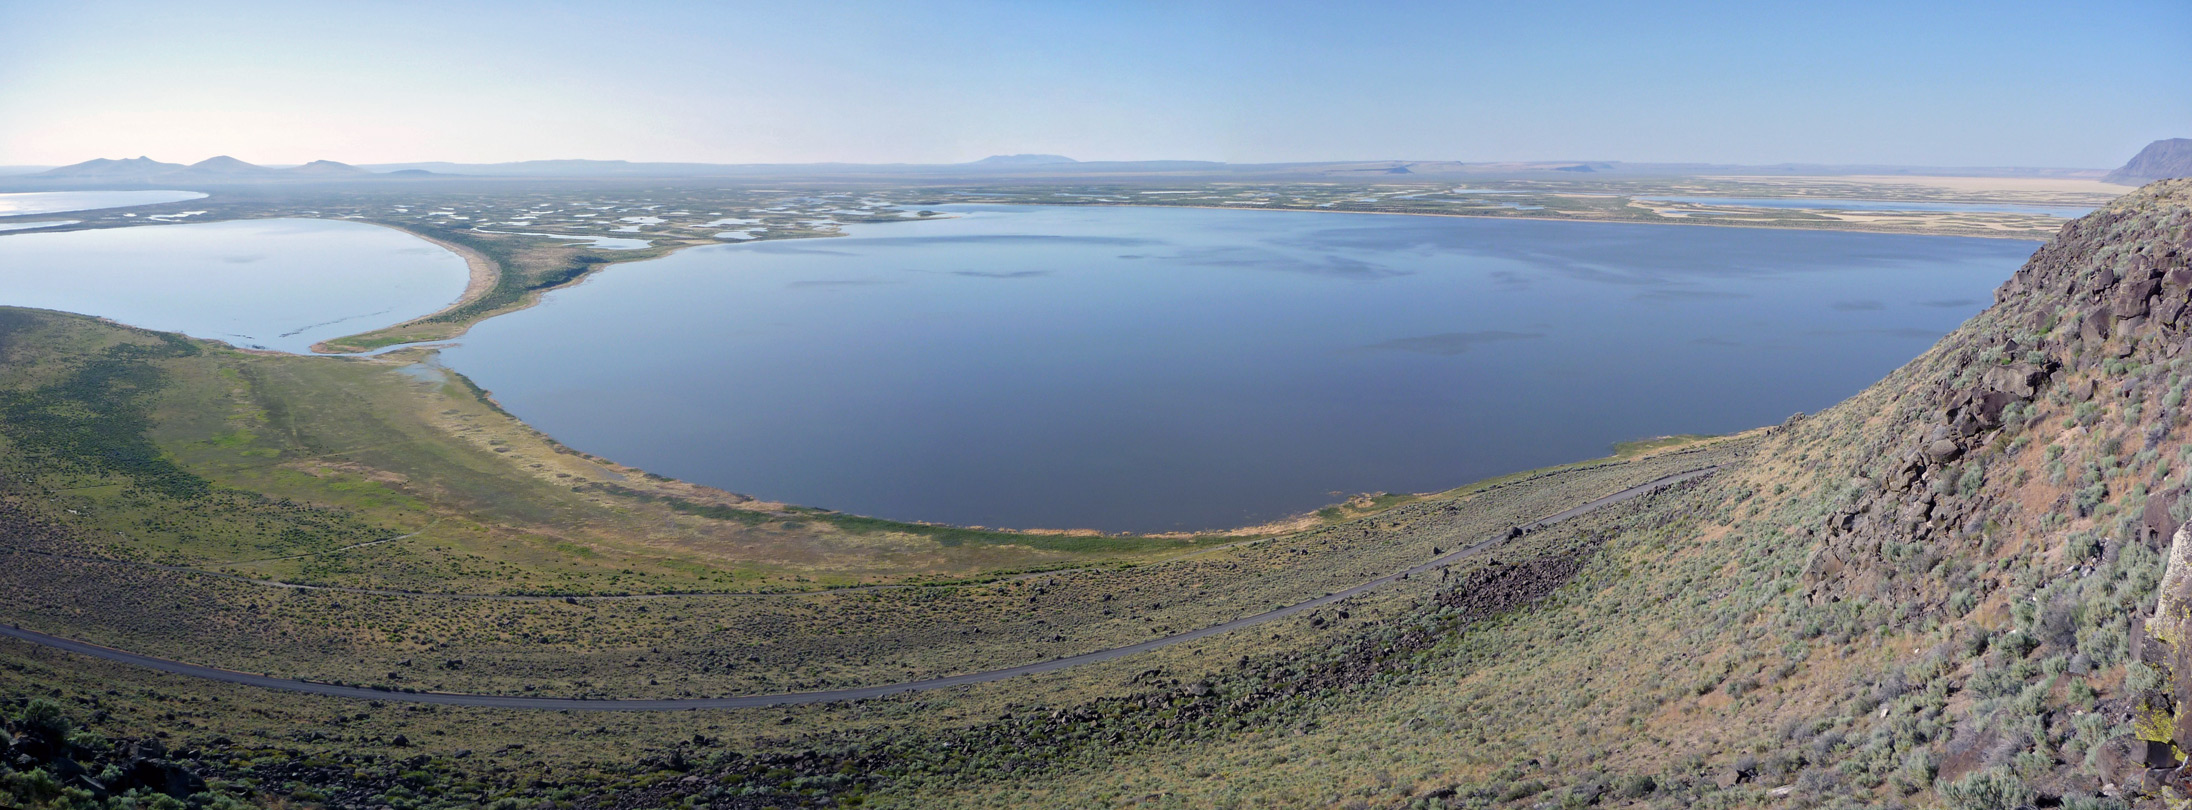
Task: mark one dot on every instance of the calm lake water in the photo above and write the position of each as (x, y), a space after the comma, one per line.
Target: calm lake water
(1162, 369)
(1823, 204)
(277, 284)
(54, 202)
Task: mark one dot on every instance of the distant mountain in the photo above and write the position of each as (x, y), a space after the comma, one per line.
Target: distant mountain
(1031, 164)
(2160, 160)
(224, 166)
(221, 170)
(1023, 160)
(326, 168)
(105, 169)
(227, 170)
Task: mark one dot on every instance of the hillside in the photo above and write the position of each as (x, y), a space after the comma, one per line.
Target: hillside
(2160, 160)
(1965, 586)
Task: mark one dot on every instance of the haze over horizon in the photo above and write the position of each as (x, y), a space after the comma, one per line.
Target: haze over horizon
(1868, 83)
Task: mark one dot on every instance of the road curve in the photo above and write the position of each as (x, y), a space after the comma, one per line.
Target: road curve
(797, 698)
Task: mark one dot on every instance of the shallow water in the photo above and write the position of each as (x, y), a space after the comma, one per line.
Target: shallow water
(1824, 204)
(602, 242)
(1160, 369)
(27, 226)
(55, 202)
(279, 284)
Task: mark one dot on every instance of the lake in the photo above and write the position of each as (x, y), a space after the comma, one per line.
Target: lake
(279, 284)
(1154, 369)
(55, 202)
(1825, 204)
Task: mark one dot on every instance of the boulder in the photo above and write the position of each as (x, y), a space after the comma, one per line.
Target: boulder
(2120, 761)
(1942, 451)
(2169, 311)
(1967, 424)
(2094, 326)
(2159, 755)
(2181, 276)
(2132, 298)
(2021, 380)
(162, 776)
(1989, 406)
(1906, 475)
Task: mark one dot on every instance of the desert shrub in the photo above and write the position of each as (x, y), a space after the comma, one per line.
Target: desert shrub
(1635, 786)
(48, 718)
(1920, 766)
(1991, 789)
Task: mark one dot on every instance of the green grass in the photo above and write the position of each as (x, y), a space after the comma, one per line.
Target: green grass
(160, 441)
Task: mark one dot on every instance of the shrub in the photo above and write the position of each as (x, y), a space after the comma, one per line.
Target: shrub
(47, 718)
(1990, 789)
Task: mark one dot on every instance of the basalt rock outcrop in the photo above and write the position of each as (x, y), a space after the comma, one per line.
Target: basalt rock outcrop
(2114, 286)
(2071, 387)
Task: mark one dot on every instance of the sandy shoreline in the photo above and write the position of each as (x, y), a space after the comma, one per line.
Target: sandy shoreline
(482, 274)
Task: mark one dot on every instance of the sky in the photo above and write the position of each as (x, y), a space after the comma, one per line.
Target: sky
(2008, 83)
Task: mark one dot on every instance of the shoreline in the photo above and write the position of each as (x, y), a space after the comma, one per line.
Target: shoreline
(481, 272)
(1280, 525)
(1708, 223)
(485, 273)
(481, 276)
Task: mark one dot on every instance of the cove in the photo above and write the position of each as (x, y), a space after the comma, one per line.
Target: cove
(1155, 369)
(280, 284)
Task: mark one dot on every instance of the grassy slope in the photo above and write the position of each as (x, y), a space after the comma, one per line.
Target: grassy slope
(397, 446)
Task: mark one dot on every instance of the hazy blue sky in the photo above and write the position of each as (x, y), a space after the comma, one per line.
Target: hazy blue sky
(1762, 81)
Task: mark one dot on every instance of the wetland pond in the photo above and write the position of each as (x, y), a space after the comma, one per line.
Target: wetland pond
(1159, 369)
(270, 283)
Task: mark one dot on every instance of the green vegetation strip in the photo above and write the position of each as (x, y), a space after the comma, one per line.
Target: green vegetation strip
(796, 698)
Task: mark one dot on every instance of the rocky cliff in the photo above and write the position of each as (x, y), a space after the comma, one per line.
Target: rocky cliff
(2026, 478)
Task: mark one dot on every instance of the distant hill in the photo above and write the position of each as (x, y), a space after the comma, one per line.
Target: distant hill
(105, 169)
(226, 170)
(221, 169)
(2160, 160)
(326, 168)
(1023, 160)
(224, 166)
